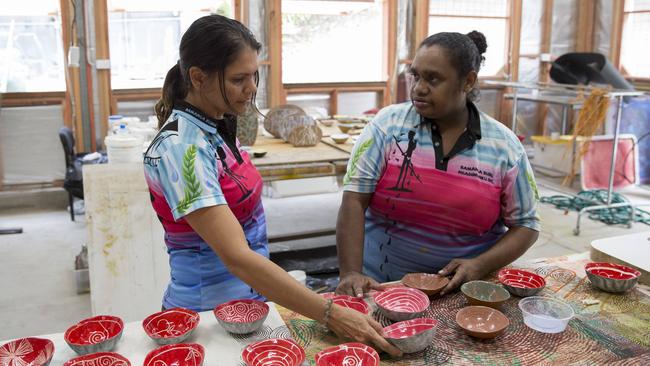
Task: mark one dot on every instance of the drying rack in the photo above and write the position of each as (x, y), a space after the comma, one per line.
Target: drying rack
(565, 95)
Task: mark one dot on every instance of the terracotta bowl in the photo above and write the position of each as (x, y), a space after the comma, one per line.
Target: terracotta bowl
(351, 302)
(411, 335)
(352, 354)
(483, 293)
(182, 354)
(327, 122)
(545, 314)
(482, 321)
(99, 359)
(27, 351)
(340, 138)
(521, 283)
(430, 284)
(171, 326)
(612, 277)
(241, 316)
(402, 303)
(273, 352)
(97, 334)
(346, 127)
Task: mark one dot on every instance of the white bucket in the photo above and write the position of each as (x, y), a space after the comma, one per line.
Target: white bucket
(124, 148)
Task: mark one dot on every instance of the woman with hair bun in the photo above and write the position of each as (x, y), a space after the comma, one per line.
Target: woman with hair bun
(434, 185)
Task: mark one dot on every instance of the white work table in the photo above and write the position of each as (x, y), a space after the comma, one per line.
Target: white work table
(630, 250)
(221, 348)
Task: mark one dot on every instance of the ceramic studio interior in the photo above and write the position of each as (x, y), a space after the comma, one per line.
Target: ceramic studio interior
(335, 182)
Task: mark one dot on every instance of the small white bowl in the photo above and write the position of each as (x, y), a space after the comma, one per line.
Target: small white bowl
(545, 314)
(340, 138)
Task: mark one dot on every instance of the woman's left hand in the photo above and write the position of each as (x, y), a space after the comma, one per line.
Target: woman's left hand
(464, 270)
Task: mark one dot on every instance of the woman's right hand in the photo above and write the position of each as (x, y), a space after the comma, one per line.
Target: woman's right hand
(351, 324)
(357, 284)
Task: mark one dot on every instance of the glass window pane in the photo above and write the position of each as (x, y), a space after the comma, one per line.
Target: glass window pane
(498, 8)
(636, 5)
(144, 37)
(31, 47)
(332, 41)
(495, 31)
(636, 33)
(356, 103)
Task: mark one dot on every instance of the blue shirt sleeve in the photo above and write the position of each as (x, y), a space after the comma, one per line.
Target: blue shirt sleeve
(189, 178)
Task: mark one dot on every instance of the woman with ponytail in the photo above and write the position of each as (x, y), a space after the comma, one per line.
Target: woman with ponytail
(434, 185)
(207, 193)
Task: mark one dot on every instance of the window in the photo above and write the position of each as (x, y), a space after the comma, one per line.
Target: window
(144, 37)
(489, 17)
(636, 37)
(31, 48)
(332, 41)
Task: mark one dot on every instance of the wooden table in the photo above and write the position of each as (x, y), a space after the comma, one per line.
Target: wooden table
(616, 330)
(631, 250)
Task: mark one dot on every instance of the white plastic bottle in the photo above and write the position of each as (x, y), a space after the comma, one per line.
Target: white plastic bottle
(123, 147)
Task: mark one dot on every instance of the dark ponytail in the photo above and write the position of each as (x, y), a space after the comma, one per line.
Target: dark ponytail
(173, 89)
(464, 50)
(211, 43)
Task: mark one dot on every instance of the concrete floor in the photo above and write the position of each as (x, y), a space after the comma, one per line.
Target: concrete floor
(37, 285)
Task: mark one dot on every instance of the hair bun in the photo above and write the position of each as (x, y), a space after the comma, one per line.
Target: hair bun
(479, 40)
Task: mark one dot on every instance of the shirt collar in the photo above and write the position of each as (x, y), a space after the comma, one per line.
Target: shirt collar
(196, 116)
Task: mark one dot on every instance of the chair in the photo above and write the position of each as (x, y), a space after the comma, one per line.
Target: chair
(73, 182)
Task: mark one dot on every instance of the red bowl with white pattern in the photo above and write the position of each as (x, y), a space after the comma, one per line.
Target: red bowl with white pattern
(411, 335)
(241, 316)
(96, 334)
(612, 277)
(351, 302)
(348, 354)
(402, 303)
(273, 352)
(171, 326)
(27, 352)
(182, 354)
(521, 283)
(99, 359)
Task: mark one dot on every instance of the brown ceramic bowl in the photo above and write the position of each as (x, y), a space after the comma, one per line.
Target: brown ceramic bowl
(483, 293)
(482, 321)
(430, 284)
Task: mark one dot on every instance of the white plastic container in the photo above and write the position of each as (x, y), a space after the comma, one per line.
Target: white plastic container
(114, 122)
(545, 314)
(300, 276)
(123, 147)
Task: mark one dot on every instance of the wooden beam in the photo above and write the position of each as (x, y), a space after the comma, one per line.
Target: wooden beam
(420, 24)
(334, 102)
(274, 21)
(390, 54)
(586, 10)
(32, 99)
(72, 109)
(513, 47)
(102, 52)
(544, 68)
(618, 16)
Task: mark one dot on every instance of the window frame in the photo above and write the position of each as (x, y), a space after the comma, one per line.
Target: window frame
(642, 81)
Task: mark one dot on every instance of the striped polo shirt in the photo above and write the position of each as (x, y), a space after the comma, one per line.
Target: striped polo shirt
(427, 208)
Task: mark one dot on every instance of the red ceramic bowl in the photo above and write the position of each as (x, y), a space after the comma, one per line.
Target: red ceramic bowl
(171, 326)
(97, 334)
(402, 303)
(521, 283)
(241, 316)
(612, 277)
(411, 335)
(182, 354)
(352, 354)
(99, 359)
(273, 352)
(351, 302)
(27, 352)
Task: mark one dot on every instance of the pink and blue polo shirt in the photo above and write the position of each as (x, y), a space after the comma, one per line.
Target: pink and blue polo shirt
(195, 162)
(428, 208)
